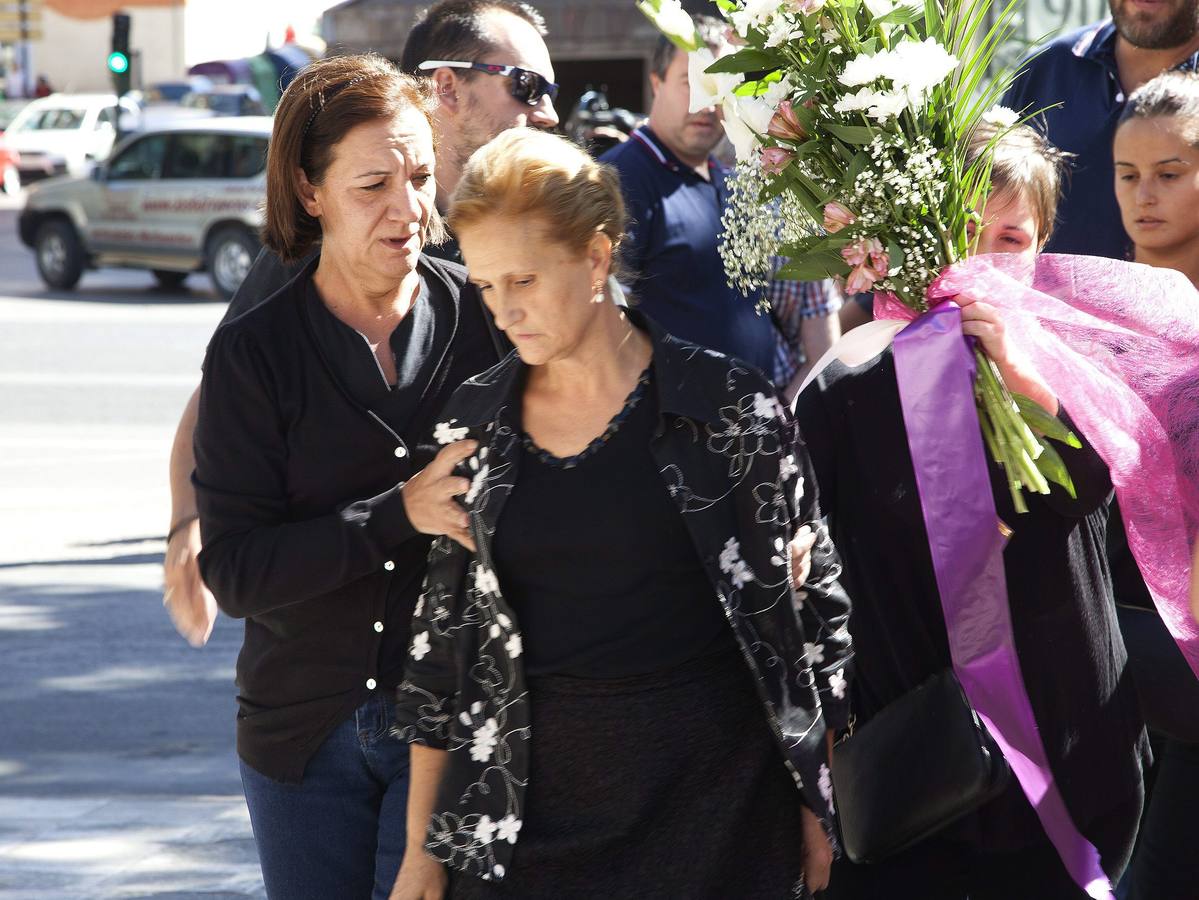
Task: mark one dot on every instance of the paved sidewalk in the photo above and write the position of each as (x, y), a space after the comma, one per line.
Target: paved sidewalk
(117, 772)
(143, 847)
(118, 777)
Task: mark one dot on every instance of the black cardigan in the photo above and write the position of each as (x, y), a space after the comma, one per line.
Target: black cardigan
(304, 527)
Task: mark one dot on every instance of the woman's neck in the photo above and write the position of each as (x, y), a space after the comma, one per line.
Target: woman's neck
(372, 308)
(613, 352)
(1182, 257)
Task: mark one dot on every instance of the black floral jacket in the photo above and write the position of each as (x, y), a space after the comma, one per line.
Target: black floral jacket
(730, 456)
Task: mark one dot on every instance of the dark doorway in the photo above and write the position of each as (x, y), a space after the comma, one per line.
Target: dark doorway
(623, 80)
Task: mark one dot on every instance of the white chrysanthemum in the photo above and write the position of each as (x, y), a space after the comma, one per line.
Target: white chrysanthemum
(708, 89)
(781, 30)
(879, 105)
(862, 69)
(912, 67)
(753, 14)
(776, 92)
(919, 66)
(1001, 117)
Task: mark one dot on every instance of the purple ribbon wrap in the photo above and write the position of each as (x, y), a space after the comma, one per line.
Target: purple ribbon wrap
(935, 372)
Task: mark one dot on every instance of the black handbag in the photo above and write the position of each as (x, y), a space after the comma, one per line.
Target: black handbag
(920, 764)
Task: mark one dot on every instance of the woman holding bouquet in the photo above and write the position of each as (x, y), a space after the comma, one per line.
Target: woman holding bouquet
(1068, 645)
(619, 691)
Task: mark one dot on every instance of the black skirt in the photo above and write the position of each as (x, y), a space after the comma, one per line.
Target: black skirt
(668, 785)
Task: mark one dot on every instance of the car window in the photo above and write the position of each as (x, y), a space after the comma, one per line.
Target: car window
(197, 156)
(108, 116)
(62, 119)
(139, 161)
(247, 156)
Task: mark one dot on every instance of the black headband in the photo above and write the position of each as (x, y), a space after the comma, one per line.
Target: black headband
(323, 96)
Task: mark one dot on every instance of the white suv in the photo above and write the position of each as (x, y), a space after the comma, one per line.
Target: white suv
(185, 198)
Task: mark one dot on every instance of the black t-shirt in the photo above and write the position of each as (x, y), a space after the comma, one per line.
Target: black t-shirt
(414, 344)
(596, 560)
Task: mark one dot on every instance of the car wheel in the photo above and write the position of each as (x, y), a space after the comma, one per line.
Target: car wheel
(11, 181)
(60, 257)
(169, 281)
(231, 252)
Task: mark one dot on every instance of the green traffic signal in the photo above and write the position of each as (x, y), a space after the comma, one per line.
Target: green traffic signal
(118, 63)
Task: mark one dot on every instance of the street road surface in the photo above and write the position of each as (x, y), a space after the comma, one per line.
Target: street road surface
(118, 776)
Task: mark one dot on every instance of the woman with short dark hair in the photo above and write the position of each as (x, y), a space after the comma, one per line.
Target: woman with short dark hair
(316, 504)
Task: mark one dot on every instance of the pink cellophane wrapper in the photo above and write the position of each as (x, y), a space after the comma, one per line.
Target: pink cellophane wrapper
(1118, 343)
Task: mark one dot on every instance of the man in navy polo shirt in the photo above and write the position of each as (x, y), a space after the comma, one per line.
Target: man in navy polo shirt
(1090, 72)
(676, 192)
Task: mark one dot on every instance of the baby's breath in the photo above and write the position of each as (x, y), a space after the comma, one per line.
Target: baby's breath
(753, 230)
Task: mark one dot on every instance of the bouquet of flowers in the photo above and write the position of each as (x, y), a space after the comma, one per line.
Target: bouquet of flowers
(849, 119)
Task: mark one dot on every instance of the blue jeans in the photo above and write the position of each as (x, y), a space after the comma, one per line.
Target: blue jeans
(341, 832)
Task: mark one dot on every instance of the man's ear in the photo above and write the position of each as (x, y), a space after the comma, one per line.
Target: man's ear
(306, 194)
(445, 83)
(655, 84)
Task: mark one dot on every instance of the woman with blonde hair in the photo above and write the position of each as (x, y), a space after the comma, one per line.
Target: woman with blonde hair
(619, 691)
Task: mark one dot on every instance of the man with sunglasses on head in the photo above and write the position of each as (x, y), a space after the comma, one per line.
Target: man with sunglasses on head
(492, 71)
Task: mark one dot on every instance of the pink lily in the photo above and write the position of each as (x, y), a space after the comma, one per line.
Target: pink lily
(864, 247)
(837, 217)
(775, 159)
(785, 125)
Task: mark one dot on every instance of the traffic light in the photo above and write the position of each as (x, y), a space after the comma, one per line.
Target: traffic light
(118, 59)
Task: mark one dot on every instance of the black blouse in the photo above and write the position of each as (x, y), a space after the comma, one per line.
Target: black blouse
(301, 449)
(1059, 588)
(621, 590)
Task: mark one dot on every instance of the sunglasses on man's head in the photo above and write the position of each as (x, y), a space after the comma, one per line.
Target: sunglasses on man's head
(527, 86)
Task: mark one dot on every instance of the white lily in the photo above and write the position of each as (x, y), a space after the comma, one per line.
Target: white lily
(673, 21)
(708, 89)
(745, 121)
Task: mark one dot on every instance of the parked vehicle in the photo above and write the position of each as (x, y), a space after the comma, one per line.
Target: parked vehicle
(227, 100)
(10, 168)
(68, 133)
(185, 198)
(9, 110)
